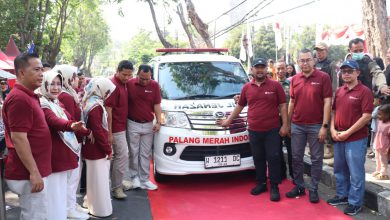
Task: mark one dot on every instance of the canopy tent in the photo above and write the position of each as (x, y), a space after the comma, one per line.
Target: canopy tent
(12, 50)
(7, 75)
(5, 66)
(5, 58)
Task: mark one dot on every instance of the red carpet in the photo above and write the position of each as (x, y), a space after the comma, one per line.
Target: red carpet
(226, 196)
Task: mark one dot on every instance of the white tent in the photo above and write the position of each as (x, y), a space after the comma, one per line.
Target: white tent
(7, 75)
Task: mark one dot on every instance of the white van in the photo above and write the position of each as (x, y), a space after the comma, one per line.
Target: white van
(197, 88)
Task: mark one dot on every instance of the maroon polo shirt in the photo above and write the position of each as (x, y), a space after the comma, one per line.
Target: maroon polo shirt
(308, 94)
(349, 106)
(22, 113)
(142, 100)
(263, 104)
(62, 158)
(118, 101)
(100, 148)
(70, 105)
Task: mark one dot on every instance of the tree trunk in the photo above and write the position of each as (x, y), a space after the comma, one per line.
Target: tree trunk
(164, 42)
(185, 25)
(376, 27)
(42, 25)
(199, 25)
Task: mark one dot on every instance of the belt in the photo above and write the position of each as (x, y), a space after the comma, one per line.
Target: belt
(138, 121)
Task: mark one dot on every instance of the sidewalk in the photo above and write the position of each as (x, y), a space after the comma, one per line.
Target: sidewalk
(377, 193)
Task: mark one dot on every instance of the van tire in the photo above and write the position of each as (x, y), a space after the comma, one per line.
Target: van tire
(158, 177)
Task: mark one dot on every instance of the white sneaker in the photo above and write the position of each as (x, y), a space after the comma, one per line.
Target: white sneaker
(148, 185)
(73, 214)
(81, 209)
(136, 183)
(127, 185)
(118, 193)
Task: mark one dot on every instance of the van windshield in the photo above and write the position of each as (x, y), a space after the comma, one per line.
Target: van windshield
(201, 80)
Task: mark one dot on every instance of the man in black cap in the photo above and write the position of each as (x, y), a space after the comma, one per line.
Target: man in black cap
(349, 131)
(265, 99)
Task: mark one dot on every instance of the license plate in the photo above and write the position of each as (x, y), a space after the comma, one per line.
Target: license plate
(222, 161)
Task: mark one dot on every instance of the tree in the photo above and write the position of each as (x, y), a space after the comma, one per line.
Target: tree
(376, 27)
(200, 26)
(141, 48)
(264, 42)
(80, 41)
(233, 42)
(303, 39)
(185, 25)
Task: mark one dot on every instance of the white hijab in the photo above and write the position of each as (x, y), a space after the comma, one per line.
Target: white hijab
(49, 101)
(96, 92)
(69, 73)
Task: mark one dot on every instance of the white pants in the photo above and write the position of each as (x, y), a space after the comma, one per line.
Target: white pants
(33, 205)
(140, 136)
(57, 190)
(73, 179)
(98, 187)
(120, 160)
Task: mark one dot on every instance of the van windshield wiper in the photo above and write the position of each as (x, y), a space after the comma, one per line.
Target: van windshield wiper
(196, 97)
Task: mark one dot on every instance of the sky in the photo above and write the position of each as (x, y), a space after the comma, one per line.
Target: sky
(137, 15)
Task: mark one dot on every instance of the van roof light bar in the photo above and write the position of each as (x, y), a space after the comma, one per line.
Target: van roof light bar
(192, 50)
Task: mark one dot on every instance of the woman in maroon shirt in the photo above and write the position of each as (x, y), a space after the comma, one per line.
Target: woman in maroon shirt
(64, 143)
(98, 154)
(69, 98)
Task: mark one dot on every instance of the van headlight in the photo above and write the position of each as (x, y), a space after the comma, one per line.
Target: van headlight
(175, 119)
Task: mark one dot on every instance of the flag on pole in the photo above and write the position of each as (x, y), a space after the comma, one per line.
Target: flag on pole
(248, 36)
(31, 47)
(278, 36)
(243, 41)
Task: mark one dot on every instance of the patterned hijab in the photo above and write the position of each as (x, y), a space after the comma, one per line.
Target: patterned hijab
(96, 92)
(69, 74)
(51, 102)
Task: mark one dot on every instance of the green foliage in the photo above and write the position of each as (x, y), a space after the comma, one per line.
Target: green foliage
(233, 41)
(304, 39)
(337, 52)
(264, 43)
(85, 35)
(141, 48)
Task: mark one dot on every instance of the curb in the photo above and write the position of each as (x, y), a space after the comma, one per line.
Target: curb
(376, 197)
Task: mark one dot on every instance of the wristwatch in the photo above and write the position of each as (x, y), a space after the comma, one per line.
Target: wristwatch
(325, 125)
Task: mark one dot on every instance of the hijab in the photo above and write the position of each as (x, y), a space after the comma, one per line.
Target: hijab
(96, 92)
(69, 74)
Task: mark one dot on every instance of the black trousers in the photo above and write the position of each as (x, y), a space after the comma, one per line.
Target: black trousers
(265, 148)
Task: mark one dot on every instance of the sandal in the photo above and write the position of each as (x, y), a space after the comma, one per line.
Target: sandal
(382, 177)
(374, 174)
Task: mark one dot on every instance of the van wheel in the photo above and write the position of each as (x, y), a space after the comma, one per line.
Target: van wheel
(158, 177)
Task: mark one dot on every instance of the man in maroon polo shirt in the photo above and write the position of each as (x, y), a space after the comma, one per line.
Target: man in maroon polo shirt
(265, 99)
(352, 109)
(117, 105)
(144, 105)
(28, 138)
(309, 114)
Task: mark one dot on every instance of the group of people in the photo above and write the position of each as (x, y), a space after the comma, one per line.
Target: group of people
(49, 130)
(312, 106)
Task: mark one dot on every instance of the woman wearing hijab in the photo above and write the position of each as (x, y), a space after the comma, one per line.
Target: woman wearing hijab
(65, 146)
(98, 154)
(69, 98)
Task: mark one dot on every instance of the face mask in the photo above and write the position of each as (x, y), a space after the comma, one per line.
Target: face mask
(357, 56)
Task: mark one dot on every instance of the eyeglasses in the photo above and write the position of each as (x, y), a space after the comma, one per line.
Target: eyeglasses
(305, 60)
(349, 71)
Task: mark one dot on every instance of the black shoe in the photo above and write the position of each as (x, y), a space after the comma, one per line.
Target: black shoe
(275, 195)
(337, 201)
(259, 188)
(313, 196)
(352, 210)
(296, 191)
